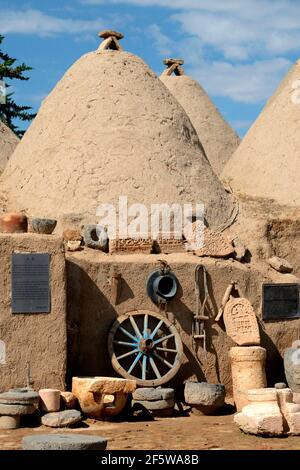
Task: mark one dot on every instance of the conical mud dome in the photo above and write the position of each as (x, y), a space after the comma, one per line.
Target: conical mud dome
(110, 128)
(267, 163)
(8, 143)
(219, 140)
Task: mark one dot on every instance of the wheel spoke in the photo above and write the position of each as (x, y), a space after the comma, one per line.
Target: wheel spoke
(134, 363)
(162, 360)
(153, 365)
(128, 334)
(156, 329)
(163, 339)
(143, 345)
(145, 325)
(127, 354)
(124, 343)
(135, 327)
(144, 367)
(167, 350)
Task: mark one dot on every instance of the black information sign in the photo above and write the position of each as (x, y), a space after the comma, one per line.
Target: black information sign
(30, 280)
(280, 301)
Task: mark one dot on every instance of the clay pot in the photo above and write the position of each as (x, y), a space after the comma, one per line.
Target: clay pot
(49, 399)
(45, 226)
(14, 222)
(292, 366)
(248, 372)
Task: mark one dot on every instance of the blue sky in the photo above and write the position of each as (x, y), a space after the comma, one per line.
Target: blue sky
(239, 50)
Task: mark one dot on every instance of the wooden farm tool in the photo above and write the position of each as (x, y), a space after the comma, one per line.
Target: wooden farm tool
(198, 327)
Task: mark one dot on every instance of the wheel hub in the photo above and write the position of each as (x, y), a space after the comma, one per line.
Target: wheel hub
(146, 345)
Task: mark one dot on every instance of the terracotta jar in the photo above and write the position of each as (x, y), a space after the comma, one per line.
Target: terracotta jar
(49, 399)
(248, 372)
(14, 222)
(292, 366)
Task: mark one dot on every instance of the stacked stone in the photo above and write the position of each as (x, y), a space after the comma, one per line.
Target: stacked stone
(205, 398)
(248, 358)
(158, 401)
(16, 403)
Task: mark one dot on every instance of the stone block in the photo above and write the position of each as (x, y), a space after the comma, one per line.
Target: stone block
(9, 422)
(207, 398)
(68, 400)
(91, 392)
(215, 244)
(281, 265)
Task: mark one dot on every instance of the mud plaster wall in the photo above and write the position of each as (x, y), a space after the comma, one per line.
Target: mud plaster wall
(36, 338)
(284, 239)
(91, 314)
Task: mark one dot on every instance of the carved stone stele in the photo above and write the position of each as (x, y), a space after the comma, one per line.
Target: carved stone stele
(241, 323)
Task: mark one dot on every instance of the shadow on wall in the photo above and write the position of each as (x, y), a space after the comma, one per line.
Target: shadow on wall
(274, 363)
(185, 316)
(90, 316)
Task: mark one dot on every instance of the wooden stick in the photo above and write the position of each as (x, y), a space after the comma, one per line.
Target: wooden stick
(224, 301)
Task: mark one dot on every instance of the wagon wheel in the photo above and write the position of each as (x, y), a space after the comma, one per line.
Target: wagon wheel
(146, 347)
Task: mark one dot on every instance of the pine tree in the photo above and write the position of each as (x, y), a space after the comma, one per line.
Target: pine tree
(10, 110)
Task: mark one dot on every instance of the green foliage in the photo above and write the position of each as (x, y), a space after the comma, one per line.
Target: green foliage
(10, 110)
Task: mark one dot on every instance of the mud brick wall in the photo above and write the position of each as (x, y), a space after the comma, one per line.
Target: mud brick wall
(91, 312)
(38, 338)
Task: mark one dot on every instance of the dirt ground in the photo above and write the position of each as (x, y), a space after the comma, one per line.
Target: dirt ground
(183, 432)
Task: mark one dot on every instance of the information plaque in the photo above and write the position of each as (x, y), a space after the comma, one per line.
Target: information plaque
(30, 281)
(280, 301)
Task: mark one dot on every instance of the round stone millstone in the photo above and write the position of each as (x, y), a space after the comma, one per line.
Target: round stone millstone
(63, 442)
(19, 397)
(13, 410)
(154, 405)
(153, 394)
(62, 419)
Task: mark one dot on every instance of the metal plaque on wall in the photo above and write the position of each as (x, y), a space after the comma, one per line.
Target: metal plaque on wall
(280, 301)
(30, 282)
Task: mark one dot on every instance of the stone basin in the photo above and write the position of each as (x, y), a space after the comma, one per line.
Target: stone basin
(92, 394)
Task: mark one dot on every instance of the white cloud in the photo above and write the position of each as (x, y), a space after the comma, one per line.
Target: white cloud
(162, 43)
(237, 29)
(245, 83)
(33, 21)
(240, 37)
